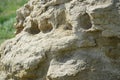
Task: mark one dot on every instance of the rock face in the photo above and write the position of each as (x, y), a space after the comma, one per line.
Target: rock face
(64, 40)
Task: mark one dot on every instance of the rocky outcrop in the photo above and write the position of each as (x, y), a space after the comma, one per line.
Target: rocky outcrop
(64, 40)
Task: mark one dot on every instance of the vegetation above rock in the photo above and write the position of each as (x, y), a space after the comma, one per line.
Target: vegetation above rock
(7, 17)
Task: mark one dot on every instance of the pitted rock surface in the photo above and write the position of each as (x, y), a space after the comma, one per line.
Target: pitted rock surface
(64, 40)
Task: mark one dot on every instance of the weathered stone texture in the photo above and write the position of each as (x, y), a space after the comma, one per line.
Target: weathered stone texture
(64, 40)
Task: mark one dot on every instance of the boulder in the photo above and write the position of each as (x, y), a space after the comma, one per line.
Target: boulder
(64, 40)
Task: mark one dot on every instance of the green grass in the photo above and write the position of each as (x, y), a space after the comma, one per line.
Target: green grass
(7, 17)
(7, 30)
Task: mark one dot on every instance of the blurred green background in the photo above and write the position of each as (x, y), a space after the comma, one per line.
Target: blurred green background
(7, 17)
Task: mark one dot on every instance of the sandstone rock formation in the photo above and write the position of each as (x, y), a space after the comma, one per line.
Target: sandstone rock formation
(64, 40)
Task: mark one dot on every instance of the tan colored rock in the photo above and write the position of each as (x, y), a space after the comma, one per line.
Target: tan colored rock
(64, 40)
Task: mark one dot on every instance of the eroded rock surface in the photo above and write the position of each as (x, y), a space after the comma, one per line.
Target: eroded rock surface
(64, 40)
